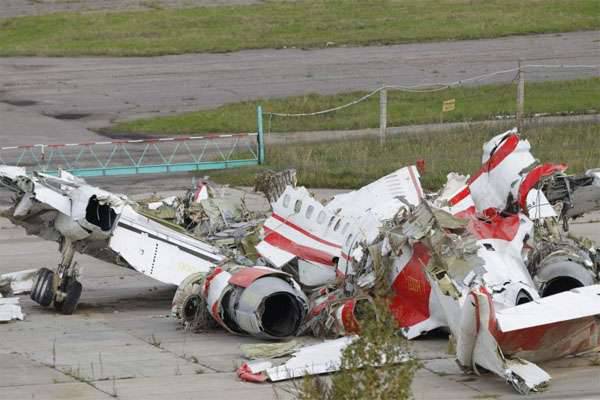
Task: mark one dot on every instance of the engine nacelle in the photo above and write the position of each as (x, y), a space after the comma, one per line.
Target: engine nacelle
(561, 272)
(256, 301)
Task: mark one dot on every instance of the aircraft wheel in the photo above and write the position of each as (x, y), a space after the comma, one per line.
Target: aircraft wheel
(43, 292)
(35, 289)
(69, 303)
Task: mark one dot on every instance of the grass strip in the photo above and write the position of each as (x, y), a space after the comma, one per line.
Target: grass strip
(351, 164)
(473, 103)
(285, 24)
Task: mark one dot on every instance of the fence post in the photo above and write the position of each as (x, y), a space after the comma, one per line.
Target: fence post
(261, 139)
(520, 98)
(382, 115)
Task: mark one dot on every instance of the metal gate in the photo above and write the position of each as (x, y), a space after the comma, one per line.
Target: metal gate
(145, 156)
(128, 157)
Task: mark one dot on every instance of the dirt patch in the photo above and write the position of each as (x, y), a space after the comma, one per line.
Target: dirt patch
(69, 116)
(95, 308)
(20, 103)
(126, 136)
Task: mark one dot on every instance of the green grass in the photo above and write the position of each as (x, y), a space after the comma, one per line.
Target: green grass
(472, 104)
(280, 24)
(351, 164)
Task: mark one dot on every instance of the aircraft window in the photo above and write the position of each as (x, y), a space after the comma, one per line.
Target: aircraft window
(345, 228)
(337, 225)
(309, 211)
(298, 206)
(321, 217)
(286, 200)
(330, 222)
(349, 240)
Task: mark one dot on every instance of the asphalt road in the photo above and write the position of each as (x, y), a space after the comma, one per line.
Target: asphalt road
(92, 92)
(17, 8)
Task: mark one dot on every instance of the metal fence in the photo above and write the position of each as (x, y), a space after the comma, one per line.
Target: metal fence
(143, 156)
(351, 139)
(128, 157)
(517, 95)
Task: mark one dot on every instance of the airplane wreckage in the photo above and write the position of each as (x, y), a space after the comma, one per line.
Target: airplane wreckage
(487, 258)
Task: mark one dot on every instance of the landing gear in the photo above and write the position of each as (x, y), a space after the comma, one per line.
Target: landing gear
(61, 287)
(42, 291)
(69, 297)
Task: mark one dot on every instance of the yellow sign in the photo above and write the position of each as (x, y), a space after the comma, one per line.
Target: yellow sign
(448, 105)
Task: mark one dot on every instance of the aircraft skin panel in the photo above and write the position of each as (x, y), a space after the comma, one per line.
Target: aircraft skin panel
(157, 258)
(158, 252)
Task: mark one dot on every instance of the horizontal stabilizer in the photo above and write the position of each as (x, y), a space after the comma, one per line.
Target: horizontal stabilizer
(574, 304)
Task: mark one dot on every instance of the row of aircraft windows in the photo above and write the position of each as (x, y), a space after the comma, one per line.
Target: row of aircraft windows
(320, 217)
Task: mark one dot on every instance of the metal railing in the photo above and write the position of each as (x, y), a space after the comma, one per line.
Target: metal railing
(129, 157)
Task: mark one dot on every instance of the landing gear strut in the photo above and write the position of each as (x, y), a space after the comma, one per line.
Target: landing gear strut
(61, 287)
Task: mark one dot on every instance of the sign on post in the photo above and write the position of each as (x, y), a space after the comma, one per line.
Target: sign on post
(449, 105)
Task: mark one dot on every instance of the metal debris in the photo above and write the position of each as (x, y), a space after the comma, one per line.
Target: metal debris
(483, 248)
(273, 184)
(203, 212)
(17, 282)
(84, 219)
(269, 350)
(321, 358)
(486, 258)
(10, 310)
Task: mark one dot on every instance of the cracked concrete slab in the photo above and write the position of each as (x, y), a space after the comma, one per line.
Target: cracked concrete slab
(17, 370)
(63, 391)
(198, 387)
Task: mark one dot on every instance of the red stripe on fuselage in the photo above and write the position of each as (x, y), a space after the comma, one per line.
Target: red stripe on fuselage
(463, 194)
(306, 253)
(304, 231)
(506, 148)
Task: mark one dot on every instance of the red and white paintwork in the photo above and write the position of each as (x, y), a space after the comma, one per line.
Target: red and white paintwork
(343, 313)
(413, 304)
(546, 328)
(214, 287)
(505, 158)
(323, 237)
(484, 318)
(201, 192)
(219, 279)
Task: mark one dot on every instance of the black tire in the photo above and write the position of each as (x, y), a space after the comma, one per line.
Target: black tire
(36, 284)
(46, 289)
(58, 306)
(69, 303)
(35, 289)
